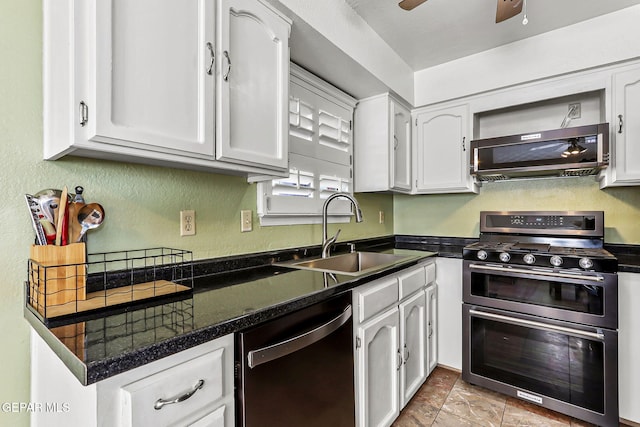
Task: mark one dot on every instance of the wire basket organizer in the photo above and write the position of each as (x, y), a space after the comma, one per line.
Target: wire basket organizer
(64, 280)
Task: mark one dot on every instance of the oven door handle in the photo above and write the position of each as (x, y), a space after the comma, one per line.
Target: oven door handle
(537, 272)
(290, 345)
(537, 325)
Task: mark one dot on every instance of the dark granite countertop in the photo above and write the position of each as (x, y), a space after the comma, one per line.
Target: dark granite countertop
(230, 294)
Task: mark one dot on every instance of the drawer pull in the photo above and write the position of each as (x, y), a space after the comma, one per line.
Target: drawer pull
(160, 403)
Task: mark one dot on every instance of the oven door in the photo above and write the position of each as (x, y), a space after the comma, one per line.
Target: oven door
(562, 366)
(580, 297)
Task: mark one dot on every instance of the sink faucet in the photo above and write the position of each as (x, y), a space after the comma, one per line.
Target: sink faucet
(327, 242)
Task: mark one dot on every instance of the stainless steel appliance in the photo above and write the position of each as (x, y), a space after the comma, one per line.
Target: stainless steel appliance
(540, 312)
(297, 370)
(575, 151)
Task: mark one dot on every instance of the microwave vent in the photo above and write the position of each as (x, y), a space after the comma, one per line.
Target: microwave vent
(581, 172)
(492, 177)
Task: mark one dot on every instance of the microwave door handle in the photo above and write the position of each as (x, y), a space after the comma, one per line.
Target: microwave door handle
(290, 345)
(537, 273)
(537, 325)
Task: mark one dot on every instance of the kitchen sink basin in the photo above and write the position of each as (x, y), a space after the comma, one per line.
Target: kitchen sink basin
(353, 264)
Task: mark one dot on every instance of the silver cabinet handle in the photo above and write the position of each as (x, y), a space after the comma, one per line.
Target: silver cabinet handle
(288, 346)
(84, 113)
(213, 58)
(537, 273)
(620, 122)
(537, 325)
(226, 75)
(399, 360)
(464, 148)
(160, 403)
(406, 354)
(395, 142)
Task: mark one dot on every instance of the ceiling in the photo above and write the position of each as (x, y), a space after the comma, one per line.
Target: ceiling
(439, 31)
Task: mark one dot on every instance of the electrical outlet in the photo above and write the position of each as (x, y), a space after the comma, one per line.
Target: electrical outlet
(574, 111)
(246, 221)
(187, 223)
(381, 217)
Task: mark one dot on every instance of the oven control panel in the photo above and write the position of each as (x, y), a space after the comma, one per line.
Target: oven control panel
(584, 223)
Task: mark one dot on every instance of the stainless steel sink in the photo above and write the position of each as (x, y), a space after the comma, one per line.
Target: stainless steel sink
(353, 264)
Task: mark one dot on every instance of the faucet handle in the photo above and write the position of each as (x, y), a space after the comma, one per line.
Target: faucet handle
(326, 245)
(352, 247)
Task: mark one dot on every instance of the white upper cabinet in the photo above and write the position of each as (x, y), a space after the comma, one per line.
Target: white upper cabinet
(382, 146)
(253, 82)
(625, 128)
(442, 150)
(151, 89)
(197, 84)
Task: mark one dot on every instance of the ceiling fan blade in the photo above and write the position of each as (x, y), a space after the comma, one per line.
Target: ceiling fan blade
(508, 9)
(410, 4)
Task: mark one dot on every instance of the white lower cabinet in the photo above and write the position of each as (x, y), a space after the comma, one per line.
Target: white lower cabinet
(413, 345)
(378, 361)
(392, 322)
(629, 346)
(190, 388)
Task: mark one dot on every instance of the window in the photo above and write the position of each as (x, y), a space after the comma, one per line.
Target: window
(320, 156)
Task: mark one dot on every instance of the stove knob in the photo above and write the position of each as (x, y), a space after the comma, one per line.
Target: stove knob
(504, 257)
(482, 255)
(585, 263)
(556, 261)
(529, 259)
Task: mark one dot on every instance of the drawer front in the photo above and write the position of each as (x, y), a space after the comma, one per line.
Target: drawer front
(376, 297)
(412, 281)
(430, 270)
(140, 398)
(214, 419)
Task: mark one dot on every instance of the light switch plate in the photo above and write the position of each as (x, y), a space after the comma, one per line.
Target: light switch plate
(246, 221)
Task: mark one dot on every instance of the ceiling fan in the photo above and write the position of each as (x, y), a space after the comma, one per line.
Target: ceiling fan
(506, 8)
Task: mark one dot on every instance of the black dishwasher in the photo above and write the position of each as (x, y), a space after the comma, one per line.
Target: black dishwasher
(297, 370)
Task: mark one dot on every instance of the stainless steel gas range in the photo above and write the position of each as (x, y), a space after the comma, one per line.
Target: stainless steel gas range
(540, 312)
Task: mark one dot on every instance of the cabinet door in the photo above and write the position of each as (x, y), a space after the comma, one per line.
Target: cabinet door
(253, 80)
(400, 178)
(626, 131)
(431, 330)
(413, 345)
(629, 345)
(442, 139)
(151, 87)
(378, 363)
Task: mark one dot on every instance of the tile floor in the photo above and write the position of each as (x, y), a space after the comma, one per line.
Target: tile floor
(446, 400)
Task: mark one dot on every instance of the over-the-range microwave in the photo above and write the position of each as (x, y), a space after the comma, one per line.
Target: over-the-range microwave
(576, 151)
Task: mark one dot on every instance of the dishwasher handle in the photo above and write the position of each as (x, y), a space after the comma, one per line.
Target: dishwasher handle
(290, 345)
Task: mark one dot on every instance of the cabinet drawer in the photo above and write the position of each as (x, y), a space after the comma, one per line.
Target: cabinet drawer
(431, 273)
(376, 297)
(140, 398)
(411, 281)
(214, 419)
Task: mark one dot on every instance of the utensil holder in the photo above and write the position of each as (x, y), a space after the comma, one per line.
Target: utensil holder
(57, 275)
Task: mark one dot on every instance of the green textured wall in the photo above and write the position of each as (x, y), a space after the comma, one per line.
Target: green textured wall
(142, 203)
(458, 214)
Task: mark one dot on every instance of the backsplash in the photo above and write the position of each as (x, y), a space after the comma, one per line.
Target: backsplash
(457, 215)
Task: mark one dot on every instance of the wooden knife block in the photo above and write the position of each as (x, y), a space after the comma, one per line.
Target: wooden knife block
(58, 275)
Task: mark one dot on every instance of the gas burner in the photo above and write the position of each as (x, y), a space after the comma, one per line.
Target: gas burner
(577, 246)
